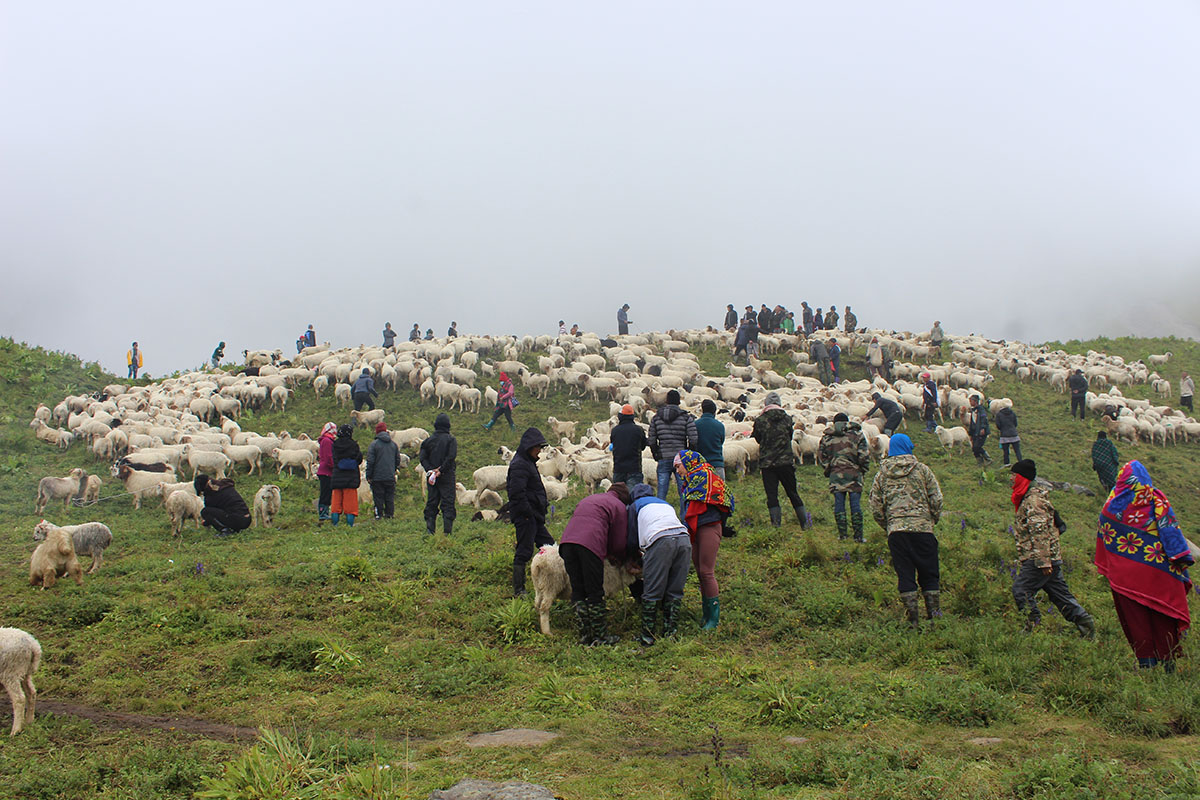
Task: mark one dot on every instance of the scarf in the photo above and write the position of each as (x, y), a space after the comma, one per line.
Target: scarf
(1020, 487)
(900, 445)
(330, 429)
(1137, 543)
(702, 487)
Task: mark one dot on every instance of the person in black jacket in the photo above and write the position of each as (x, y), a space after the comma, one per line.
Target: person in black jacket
(1006, 427)
(345, 479)
(224, 509)
(382, 457)
(439, 454)
(893, 415)
(731, 317)
(1078, 385)
(527, 504)
(628, 441)
(978, 429)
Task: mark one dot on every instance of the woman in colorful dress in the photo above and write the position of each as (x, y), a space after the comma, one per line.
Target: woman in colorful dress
(709, 504)
(1141, 551)
(505, 400)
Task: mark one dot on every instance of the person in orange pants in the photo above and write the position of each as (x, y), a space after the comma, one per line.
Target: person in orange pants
(346, 457)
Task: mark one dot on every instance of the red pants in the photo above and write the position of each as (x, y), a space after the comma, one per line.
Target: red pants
(1151, 633)
(345, 501)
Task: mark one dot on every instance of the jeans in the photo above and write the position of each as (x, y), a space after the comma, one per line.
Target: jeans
(839, 502)
(666, 468)
(629, 478)
(1016, 446)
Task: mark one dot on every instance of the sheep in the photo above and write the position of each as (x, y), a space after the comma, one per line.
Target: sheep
(20, 655)
(1162, 387)
(91, 492)
(478, 498)
(491, 477)
(950, 437)
(470, 399)
(341, 393)
(486, 514)
(182, 506)
(550, 582)
(74, 485)
(555, 489)
(59, 438)
(209, 462)
(139, 482)
(53, 558)
(320, 384)
(89, 539)
(267, 502)
(592, 471)
(279, 396)
(409, 437)
(294, 458)
(561, 429)
(246, 454)
(1159, 360)
(369, 418)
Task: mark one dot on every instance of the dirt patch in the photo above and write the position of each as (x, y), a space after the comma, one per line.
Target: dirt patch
(511, 737)
(124, 720)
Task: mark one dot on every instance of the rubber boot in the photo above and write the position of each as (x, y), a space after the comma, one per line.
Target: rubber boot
(803, 517)
(584, 618)
(447, 527)
(712, 613)
(518, 580)
(512, 426)
(429, 527)
(1086, 627)
(776, 516)
(1169, 666)
(671, 618)
(839, 517)
(912, 611)
(933, 605)
(649, 620)
(333, 519)
(600, 632)
(487, 426)
(856, 521)
(322, 514)
(350, 520)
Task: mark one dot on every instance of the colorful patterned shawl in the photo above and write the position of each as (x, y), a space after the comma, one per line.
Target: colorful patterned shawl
(1137, 542)
(702, 487)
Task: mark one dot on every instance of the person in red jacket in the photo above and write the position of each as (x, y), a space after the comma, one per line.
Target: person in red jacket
(595, 532)
(325, 470)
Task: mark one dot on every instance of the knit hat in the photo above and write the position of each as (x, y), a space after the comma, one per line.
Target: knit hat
(841, 417)
(672, 398)
(380, 427)
(707, 406)
(503, 376)
(627, 410)
(772, 399)
(1025, 468)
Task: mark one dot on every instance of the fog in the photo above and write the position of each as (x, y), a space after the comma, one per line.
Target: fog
(181, 174)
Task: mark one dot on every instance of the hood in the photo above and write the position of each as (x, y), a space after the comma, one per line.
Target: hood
(640, 490)
(900, 445)
(383, 436)
(532, 437)
(669, 414)
(442, 423)
(898, 466)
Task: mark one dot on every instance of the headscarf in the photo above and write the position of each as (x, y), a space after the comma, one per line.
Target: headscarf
(503, 376)
(900, 445)
(1024, 471)
(1136, 543)
(701, 484)
(329, 429)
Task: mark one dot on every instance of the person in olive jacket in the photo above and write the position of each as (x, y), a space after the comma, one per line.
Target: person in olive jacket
(439, 456)
(527, 505)
(345, 479)
(224, 509)
(382, 456)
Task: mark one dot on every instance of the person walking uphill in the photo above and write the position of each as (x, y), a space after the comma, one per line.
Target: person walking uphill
(656, 532)
(224, 509)
(595, 532)
(505, 400)
(133, 360)
(1006, 427)
(526, 504)
(709, 504)
(845, 456)
(1145, 557)
(978, 429)
(671, 430)
(364, 390)
(325, 470)
(1105, 461)
(382, 458)
(623, 319)
(347, 455)
(1036, 530)
(906, 501)
(628, 442)
(776, 461)
(439, 459)
(1078, 385)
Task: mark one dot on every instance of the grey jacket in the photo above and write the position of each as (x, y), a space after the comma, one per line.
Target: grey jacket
(672, 430)
(382, 456)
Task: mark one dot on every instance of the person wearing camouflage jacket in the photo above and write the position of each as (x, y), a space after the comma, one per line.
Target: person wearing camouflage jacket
(776, 461)
(906, 501)
(1036, 529)
(845, 456)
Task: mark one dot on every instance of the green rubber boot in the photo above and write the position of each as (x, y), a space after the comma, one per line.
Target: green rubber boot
(912, 611)
(584, 619)
(649, 619)
(856, 522)
(712, 613)
(776, 516)
(487, 426)
(671, 618)
(842, 528)
(600, 634)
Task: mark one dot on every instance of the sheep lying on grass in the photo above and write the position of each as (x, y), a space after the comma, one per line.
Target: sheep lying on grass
(550, 582)
(89, 539)
(54, 558)
(75, 484)
(20, 655)
(267, 502)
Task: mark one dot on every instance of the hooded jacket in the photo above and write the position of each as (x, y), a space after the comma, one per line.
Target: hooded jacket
(325, 453)
(1006, 423)
(526, 492)
(365, 385)
(845, 456)
(382, 457)
(1078, 385)
(671, 430)
(221, 495)
(345, 449)
(818, 352)
(905, 496)
(628, 441)
(649, 520)
(978, 427)
(773, 432)
(440, 451)
(599, 524)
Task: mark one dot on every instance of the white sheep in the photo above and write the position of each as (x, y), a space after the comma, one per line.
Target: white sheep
(493, 477)
(562, 429)
(88, 538)
(477, 498)
(470, 399)
(341, 393)
(950, 437)
(91, 492)
(75, 484)
(209, 462)
(294, 458)
(550, 582)
(140, 483)
(182, 506)
(592, 470)
(267, 502)
(279, 397)
(1159, 360)
(369, 418)
(20, 655)
(53, 558)
(246, 454)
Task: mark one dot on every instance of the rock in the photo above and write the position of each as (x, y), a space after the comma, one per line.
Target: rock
(511, 737)
(488, 790)
(797, 740)
(987, 741)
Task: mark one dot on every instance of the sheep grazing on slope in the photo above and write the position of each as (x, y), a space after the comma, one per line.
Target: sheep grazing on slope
(950, 437)
(288, 459)
(74, 485)
(182, 506)
(20, 655)
(54, 558)
(140, 483)
(369, 418)
(267, 502)
(550, 582)
(561, 429)
(89, 539)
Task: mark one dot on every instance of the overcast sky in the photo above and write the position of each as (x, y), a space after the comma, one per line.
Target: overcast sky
(184, 173)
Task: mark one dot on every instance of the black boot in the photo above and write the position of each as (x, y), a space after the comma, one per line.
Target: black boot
(671, 617)
(856, 521)
(584, 619)
(649, 620)
(600, 635)
(802, 516)
(447, 528)
(518, 579)
(912, 611)
(776, 516)
(839, 517)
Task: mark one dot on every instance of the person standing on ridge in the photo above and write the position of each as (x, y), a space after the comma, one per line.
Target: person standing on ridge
(623, 320)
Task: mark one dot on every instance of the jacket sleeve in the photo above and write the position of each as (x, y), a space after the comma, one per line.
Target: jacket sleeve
(631, 532)
(934, 493)
(863, 454)
(876, 501)
(823, 455)
(652, 440)
(693, 437)
(423, 456)
(371, 456)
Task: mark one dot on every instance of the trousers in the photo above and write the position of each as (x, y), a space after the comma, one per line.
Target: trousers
(915, 560)
(586, 572)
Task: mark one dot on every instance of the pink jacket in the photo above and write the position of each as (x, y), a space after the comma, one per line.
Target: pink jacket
(325, 455)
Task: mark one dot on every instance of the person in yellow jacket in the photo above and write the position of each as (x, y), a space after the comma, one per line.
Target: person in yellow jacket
(133, 359)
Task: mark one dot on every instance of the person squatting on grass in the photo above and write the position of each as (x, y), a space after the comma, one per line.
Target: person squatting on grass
(224, 509)
(382, 458)
(439, 459)
(776, 461)
(906, 501)
(845, 456)
(1145, 557)
(596, 531)
(345, 478)
(527, 504)
(709, 504)
(655, 531)
(1036, 529)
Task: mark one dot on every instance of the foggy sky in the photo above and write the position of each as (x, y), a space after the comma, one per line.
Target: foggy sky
(184, 173)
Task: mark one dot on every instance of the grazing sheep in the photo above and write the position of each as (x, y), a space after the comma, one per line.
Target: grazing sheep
(492, 477)
(294, 458)
(1161, 360)
(210, 462)
(478, 498)
(60, 438)
(246, 454)
(562, 429)
(91, 492)
(279, 396)
(469, 399)
(550, 582)
(74, 485)
(267, 502)
(341, 393)
(140, 482)
(409, 437)
(950, 437)
(369, 418)
(54, 558)
(89, 539)
(180, 507)
(20, 655)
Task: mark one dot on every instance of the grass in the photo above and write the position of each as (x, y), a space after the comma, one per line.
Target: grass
(370, 654)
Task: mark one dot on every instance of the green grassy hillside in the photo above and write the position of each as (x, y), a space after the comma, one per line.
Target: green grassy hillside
(376, 651)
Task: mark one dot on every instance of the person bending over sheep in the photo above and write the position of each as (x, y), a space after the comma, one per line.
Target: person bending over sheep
(596, 531)
(439, 454)
(224, 509)
(364, 390)
(382, 457)
(347, 455)
(527, 504)
(655, 531)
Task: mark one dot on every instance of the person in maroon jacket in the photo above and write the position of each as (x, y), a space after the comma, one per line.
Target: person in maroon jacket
(325, 470)
(595, 532)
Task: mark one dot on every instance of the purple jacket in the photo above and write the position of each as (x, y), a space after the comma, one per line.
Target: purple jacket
(325, 455)
(599, 524)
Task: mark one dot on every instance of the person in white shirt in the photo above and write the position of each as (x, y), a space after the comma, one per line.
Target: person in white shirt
(666, 559)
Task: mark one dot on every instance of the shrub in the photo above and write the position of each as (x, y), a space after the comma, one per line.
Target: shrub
(357, 568)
